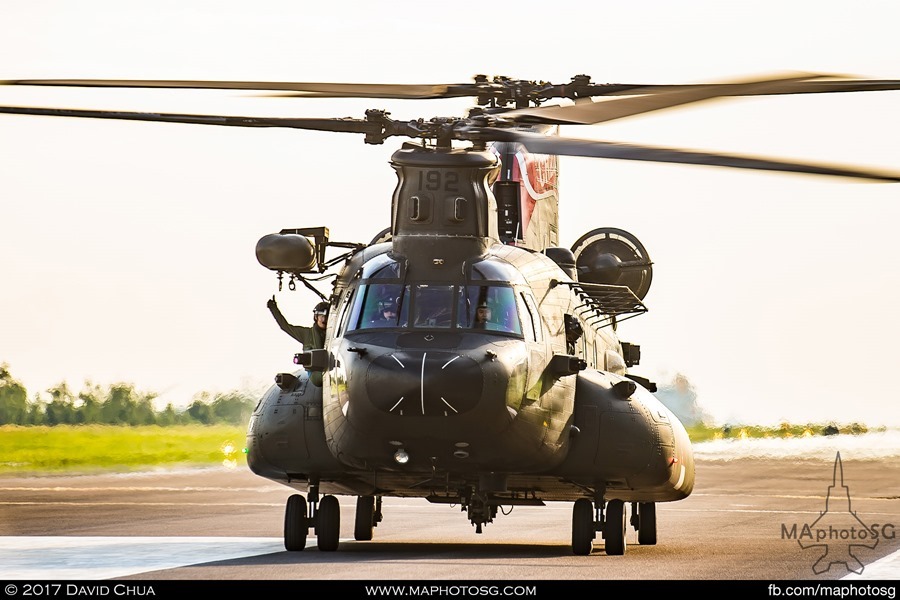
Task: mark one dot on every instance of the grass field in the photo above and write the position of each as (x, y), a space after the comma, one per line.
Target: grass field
(88, 448)
(704, 433)
(91, 448)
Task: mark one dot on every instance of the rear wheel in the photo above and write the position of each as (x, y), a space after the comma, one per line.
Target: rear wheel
(365, 518)
(647, 523)
(583, 527)
(328, 524)
(614, 527)
(296, 523)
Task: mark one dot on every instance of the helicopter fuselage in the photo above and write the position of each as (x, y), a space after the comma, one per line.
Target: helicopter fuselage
(461, 408)
(417, 394)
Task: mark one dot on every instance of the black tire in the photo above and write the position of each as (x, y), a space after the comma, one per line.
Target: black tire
(647, 523)
(614, 528)
(296, 523)
(583, 531)
(365, 518)
(328, 524)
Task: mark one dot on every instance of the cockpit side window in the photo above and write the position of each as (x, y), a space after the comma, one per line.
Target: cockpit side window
(342, 322)
(488, 307)
(531, 305)
(379, 305)
(528, 319)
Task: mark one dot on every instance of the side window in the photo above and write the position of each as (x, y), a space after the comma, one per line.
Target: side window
(345, 310)
(378, 305)
(535, 316)
(489, 307)
(527, 319)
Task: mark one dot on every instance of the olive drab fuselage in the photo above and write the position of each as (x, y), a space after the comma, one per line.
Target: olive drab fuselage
(509, 407)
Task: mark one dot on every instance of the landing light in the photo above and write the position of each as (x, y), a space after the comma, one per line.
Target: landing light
(401, 457)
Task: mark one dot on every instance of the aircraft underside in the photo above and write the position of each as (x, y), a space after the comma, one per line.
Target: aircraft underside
(608, 514)
(287, 444)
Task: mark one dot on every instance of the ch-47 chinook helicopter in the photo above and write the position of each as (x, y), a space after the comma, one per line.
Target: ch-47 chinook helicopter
(469, 359)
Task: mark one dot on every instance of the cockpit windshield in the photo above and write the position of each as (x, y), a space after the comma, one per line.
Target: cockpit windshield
(435, 306)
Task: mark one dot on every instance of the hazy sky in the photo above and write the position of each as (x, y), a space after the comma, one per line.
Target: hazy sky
(127, 249)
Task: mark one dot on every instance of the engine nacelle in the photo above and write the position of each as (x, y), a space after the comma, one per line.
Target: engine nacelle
(286, 436)
(626, 439)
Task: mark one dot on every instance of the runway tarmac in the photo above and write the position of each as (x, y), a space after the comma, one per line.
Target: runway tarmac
(226, 524)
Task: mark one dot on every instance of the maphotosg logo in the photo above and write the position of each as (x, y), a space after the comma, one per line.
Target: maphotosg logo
(838, 533)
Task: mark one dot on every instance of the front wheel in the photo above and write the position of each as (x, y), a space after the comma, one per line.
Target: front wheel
(583, 531)
(296, 523)
(614, 528)
(365, 518)
(647, 523)
(328, 524)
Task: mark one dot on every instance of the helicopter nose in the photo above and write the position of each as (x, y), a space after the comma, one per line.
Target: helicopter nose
(424, 383)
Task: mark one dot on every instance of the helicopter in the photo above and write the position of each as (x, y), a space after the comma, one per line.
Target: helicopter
(470, 360)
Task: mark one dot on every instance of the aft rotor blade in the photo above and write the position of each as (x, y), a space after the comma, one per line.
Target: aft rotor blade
(591, 113)
(598, 149)
(307, 89)
(341, 125)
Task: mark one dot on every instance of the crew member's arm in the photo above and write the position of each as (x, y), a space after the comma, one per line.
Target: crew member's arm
(298, 332)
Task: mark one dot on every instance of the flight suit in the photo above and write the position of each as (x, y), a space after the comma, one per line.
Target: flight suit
(312, 338)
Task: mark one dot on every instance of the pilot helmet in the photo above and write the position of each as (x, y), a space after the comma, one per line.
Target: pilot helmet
(388, 305)
(320, 309)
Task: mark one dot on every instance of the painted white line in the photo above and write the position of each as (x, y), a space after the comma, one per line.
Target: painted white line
(424, 354)
(148, 488)
(77, 558)
(76, 503)
(450, 405)
(886, 568)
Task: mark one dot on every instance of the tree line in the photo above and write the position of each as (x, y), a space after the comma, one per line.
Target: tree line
(116, 404)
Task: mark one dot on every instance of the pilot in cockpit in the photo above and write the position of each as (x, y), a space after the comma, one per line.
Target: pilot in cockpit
(387, 314)
(483, 317)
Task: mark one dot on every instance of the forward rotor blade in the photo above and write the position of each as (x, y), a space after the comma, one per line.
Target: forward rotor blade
(727, 89)
(341, 125)
(499, 88)
(308, 89)
(591, 113)
(598, 149)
